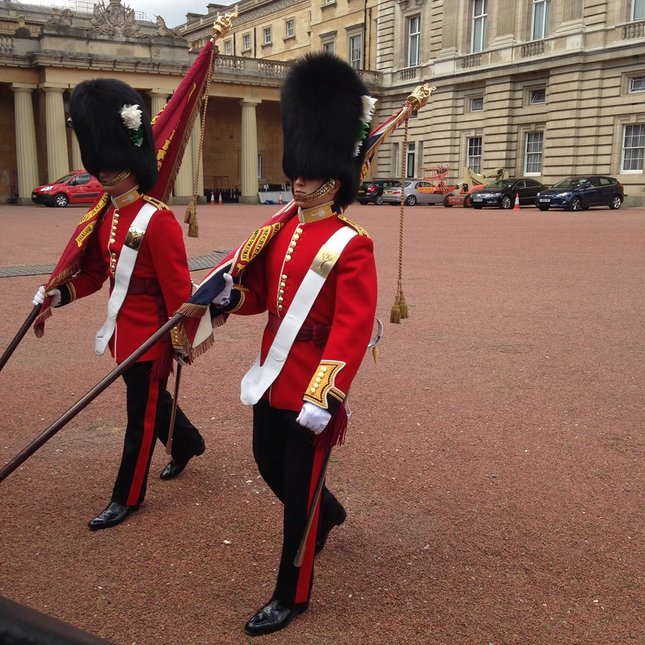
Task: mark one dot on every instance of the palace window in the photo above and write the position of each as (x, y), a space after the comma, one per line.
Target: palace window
(474, 154)
(638, 10)
(476, 104)
(637, 84)
(414, 40)
(356, 51)
(633, 148)
(533, 148)
(266, 36)
(541, 19)
(228, 47)
(480, 16)
(246, 42)
(290, 28)
(411, 160)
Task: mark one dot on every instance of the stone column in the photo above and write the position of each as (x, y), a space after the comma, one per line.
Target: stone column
(184, 180)
(503, 32)
(249, 152)
(572, 10)
(57, 157)
(26, 154)
(77, 162)
(158, 98)
(198, 157)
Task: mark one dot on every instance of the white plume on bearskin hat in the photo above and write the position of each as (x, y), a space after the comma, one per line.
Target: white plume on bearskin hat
(326, 110)
(113, 129)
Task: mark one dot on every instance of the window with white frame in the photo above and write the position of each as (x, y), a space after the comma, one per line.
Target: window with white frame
(638, 10)
(474, 154)
(476, 104)
(266, 35)
(260, 166)
(290, 28)
(228, 47)
(633, 148)
(356, 51)
(411, 158)
(541, 19)
(537, 96)
(480, 16)
(328, 45)
(533, 149)
(637, 84)
(414, 40)
(246, 42)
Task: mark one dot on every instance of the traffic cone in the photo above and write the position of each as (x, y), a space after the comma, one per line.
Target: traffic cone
(517, 202)
(219, 200)
(280, 198)
(212, 200)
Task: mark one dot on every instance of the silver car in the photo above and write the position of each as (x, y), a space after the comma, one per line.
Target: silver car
(417, 191)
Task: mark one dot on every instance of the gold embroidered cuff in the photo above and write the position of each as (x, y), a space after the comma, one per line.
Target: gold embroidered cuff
(178, 337)
(322, 384)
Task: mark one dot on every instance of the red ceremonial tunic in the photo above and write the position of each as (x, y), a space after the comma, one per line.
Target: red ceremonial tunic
(160, 280)
(346, 303)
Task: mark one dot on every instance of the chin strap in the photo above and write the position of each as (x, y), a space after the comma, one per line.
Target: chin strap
(327, 187)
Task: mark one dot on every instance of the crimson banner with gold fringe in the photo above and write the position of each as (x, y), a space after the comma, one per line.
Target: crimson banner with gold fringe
(171, 129)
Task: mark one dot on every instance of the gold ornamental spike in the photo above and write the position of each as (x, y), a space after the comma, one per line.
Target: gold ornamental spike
(420, 96)
(223, 25)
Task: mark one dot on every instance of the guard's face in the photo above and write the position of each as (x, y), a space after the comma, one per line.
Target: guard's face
(114, 181)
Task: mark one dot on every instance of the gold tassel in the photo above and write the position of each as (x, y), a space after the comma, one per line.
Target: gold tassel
(193, 228)
(395, 314)
(375, 353)
(403, 305)
(190, 211)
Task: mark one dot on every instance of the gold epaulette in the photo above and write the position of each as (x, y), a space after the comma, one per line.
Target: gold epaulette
(161, 206)
(359, 229)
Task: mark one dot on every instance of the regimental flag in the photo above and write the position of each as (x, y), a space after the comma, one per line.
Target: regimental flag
(171, 130)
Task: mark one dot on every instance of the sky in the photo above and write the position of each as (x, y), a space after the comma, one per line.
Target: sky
(172, 11)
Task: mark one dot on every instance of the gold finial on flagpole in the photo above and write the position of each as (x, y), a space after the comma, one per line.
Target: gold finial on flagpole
(223, 25)
(420, 96)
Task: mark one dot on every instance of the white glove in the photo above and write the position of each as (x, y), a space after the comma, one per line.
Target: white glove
(313, 417)
(39, 296)
(223, 298)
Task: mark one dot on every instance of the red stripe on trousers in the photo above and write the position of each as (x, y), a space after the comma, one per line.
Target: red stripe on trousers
(306, 570)
(147, 442)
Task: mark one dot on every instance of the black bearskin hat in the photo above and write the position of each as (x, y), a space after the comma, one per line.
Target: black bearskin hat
(325, 119)
(113, 129)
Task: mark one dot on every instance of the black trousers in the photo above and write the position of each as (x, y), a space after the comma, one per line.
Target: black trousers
(291, 466)
(149, 405)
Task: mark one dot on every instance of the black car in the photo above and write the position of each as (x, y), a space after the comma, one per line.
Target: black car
(582, 191)
(502, 193)
(371, 192)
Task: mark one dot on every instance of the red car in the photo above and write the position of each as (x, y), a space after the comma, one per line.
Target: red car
(77, 187)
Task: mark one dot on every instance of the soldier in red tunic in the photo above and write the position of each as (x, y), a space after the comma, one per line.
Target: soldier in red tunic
(139, 247)
(316, 278)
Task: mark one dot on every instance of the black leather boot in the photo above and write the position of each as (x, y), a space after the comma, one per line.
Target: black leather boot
(326, 524)
(114, 514)
(176, 466)
(271, 618)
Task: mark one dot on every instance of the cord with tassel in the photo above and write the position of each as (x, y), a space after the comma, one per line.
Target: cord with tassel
(400, 306)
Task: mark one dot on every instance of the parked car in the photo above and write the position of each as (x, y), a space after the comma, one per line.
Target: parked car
(77, 187)
(461, 197)
(371, 192)
(501, 194)
(417, 191)
(581, 192)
